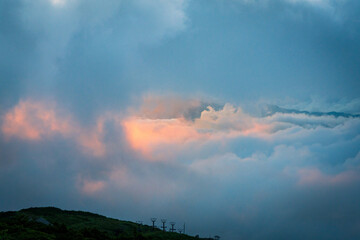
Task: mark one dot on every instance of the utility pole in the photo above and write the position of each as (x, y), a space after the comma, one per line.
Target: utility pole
(139, 225)
(172, 226)
(153, 223)
(163, 224)
(184, 228)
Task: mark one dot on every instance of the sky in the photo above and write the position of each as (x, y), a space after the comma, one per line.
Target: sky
(240, 118)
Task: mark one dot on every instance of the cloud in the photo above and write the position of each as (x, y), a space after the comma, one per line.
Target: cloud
(54, 48)
(192, 158)
(58, 3)
(315, 3)
(312, 2)
(204, 155)
(228, 118)
(154, 128)
(157, 127)
(91, 186)
(316, 104)
(316, 177)
(147, 135)
(36, 120)
(154, 106)
(334, 10)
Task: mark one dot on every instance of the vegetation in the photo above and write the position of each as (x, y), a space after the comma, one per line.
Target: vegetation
(51, 223)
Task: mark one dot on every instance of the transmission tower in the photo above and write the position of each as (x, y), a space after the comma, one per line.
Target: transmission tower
(153, 223)
(172, 226)
(139, 225)
(163, 224)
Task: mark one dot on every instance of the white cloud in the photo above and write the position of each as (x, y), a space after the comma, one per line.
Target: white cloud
(58, 2)
(227, 118)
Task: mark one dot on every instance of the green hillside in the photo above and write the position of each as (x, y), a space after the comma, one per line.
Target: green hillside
(53, 223)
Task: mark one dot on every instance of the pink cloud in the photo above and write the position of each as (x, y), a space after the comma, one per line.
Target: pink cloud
(91, 186)
(161, 126)
(145, 135)
(160, 123)
(316, 177)
(36, 120)
(148, 133)
(91, 141)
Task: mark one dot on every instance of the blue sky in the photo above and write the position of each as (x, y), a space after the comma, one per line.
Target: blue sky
(240, 117)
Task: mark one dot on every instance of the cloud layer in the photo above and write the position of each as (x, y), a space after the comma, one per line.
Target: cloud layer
(240, 118)
(243, 161)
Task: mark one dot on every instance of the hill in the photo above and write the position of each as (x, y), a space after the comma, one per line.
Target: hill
(53, 223)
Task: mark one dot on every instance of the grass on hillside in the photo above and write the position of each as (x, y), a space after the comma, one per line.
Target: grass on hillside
(51, 223)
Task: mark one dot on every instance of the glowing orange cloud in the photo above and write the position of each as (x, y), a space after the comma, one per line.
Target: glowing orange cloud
(158, 127)
(146, 134)
(36, 120)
